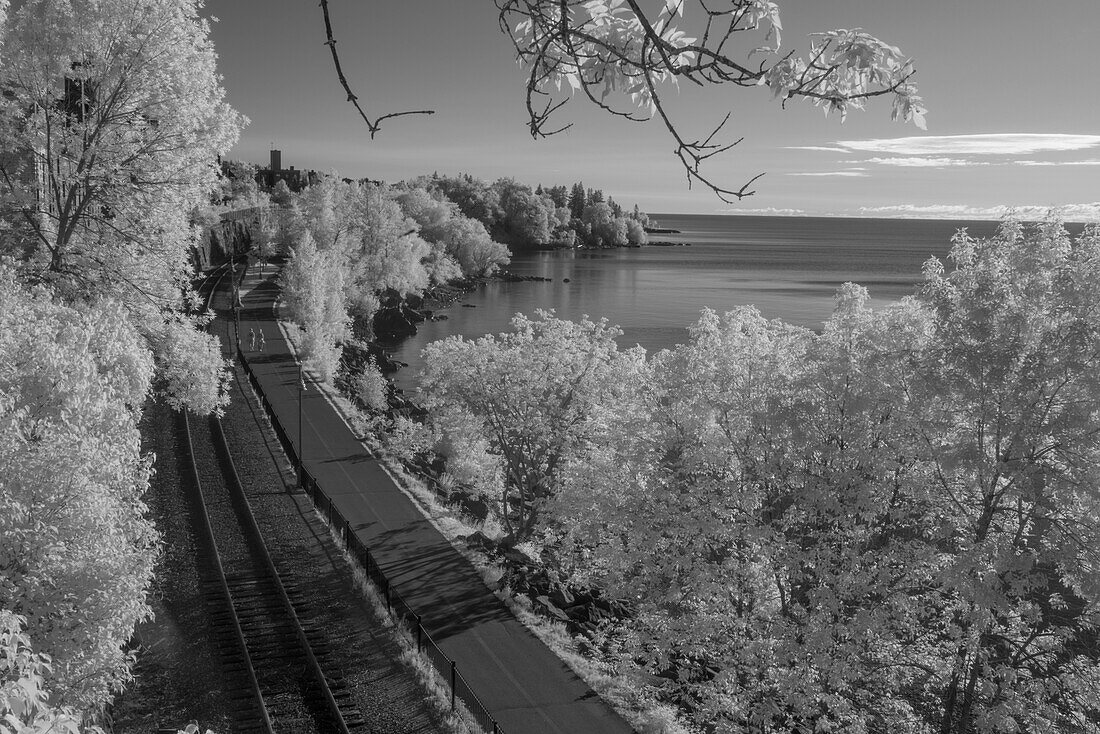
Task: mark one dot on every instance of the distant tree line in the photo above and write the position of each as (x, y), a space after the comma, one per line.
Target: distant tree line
(512, 213)
(559, 215)
(354, 246)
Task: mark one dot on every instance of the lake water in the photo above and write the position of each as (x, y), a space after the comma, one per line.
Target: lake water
(788, 267)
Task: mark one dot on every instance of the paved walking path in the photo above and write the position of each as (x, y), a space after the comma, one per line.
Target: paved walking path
(522, 683)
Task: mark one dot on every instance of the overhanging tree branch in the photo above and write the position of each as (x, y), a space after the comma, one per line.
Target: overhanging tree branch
(373, 125)
(609, 50)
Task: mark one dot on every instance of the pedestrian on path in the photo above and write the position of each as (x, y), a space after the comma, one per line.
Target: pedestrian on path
(252, 340)
(261, 340)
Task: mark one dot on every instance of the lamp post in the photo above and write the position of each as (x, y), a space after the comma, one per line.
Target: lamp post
(233, 296)
(301, 446)
(237, 302)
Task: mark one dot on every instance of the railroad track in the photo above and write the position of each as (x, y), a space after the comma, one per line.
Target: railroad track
(281, 680)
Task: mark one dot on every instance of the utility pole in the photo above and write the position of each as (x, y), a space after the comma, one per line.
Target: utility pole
(236, 295)
(301, 446)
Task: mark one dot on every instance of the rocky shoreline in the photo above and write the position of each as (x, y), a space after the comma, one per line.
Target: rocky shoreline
(398, 318)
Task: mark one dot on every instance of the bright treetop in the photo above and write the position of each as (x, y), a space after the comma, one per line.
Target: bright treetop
(111, 123)
(611, 49)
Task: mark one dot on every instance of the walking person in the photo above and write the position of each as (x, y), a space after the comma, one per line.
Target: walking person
(261, 340)
(252, 340)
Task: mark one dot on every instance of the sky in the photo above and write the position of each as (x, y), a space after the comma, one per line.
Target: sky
(1013, 121)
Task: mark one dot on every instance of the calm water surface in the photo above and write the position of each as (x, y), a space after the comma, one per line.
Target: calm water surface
(788, 267)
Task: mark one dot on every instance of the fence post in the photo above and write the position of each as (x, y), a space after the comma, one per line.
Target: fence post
(453, 666)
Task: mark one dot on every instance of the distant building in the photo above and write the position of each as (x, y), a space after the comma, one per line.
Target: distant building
(296, 179)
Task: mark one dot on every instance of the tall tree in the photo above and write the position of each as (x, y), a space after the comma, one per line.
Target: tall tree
(475, 198)
(559, 195)
(577, 199)
(526, 217)
(313, 285)
(463, 239)
(1009, 428)
(332, 209)
(112, 120)
(523, 400)
(281, 195)
(467, 241)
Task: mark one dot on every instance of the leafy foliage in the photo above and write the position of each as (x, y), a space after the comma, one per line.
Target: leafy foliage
(313, 288)
(24, 701)
(78, 551)
(523, 398)
(514, 213)
(110, 125)
(890, 525)
(462, 239)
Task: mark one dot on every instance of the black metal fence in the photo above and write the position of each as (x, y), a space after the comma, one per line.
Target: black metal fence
(401, 611)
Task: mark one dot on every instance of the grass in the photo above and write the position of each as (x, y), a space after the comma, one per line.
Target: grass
(456, 721)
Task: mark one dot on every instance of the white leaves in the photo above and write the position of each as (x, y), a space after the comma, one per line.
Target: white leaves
(848, 510)
(313, 284)
(843, 69)
(621, 60)
(145, 138)
(529, 397)
(25, 706)
(72, 384)
(193, 374)
(908, 106)
(613, 56)
(573, 79)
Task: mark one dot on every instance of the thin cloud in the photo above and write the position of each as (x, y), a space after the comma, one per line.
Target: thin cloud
(987, 144)
(851, 172)
(768, 211)
(1089, 162)
(823, 148)
(1068, 212)
(919, 162)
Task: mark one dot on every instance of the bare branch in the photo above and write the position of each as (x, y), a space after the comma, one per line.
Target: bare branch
(373, 125)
